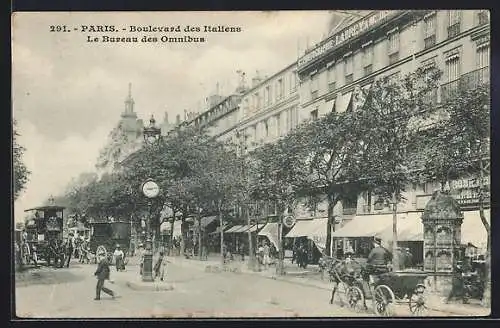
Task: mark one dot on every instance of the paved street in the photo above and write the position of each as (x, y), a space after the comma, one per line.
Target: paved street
(69, 292)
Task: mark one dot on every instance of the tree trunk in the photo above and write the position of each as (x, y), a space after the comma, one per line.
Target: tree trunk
(183, 237)
(486, 302)
(221, 237)
(171, 238)
(251, 251)
(330, 225)
(199, 238)
(394, 243)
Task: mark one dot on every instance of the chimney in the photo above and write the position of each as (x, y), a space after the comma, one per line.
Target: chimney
(178, 119)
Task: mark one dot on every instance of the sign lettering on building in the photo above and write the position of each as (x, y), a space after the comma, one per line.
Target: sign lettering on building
(346, 34)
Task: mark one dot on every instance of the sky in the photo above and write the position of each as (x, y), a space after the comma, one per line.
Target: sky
(68, 93)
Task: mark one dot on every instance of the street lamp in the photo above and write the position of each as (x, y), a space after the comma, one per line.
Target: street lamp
(150, 189)
(151, 133)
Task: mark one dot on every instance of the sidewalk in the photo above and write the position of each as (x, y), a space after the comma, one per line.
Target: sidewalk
(312, 278)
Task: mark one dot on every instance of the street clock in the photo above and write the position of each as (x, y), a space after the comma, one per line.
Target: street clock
(150, 189)
(289, 221)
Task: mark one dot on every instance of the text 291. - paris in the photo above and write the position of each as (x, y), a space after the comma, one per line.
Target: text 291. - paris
(84, 28)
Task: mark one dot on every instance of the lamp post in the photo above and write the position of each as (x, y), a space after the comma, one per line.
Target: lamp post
(150, 189)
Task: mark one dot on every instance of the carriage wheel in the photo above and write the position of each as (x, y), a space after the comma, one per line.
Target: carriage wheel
(355, 298)
(101, 252)
(417, 301)
(383, 301)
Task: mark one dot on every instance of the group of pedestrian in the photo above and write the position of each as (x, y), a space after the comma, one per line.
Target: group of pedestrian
(264, 255)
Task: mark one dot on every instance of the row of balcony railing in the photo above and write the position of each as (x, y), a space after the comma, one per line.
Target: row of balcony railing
(465, 82)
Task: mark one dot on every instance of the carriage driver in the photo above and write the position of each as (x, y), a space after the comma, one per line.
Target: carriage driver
(378, 259)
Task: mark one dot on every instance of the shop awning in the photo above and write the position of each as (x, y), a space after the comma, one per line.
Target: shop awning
(302, 228)
(342, 102)
(243, 228)
(473, 230)
(327, 107)
(253, 228)
(410, 227)
(205, 221)
(234, 228)
(360, 96)
(270, 231)
(312, 229)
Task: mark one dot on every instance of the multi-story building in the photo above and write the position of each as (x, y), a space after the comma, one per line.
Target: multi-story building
(394, 43)
(269, 109)
(126, 137)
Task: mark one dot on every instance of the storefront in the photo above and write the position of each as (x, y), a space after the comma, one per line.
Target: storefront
(358, 234)
(312, 234)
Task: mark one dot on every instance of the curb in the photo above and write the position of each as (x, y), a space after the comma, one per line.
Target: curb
(155, 287)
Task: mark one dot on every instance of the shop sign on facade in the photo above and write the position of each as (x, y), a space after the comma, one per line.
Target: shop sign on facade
(345, 35)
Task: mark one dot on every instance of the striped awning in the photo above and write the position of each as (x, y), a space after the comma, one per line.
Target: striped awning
(234, 228)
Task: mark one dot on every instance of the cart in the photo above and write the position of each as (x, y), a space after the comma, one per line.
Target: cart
(42, 231)
(389, 289)
(105, 235)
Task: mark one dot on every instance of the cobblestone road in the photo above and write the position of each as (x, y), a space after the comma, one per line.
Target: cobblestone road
(69, 293)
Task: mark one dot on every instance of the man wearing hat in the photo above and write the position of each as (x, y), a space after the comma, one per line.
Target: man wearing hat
(378, 259)
(119, 256)
(102, 274)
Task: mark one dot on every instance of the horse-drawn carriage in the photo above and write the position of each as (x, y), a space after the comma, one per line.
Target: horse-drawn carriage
(106, 235)
(43, 235)
(355, 287)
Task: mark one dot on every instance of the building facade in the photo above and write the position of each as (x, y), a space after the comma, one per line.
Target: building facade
(394, 43)
(126, 137)
(269, 109)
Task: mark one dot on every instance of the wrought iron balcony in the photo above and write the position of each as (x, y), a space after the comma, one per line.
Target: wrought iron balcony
(314, 94)
(331, 86)
(429, 41)
(349, 78)
(467, 81)
(475, 78)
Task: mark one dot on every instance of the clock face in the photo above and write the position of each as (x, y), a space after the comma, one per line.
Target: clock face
(150, 189)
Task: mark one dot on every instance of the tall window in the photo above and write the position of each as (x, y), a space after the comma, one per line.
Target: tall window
(257, 101)
(427, 66)
(454, 19)
(483, 54)
(368, 59)
(483, 17)
(278, 125)
(314, 86)
(266, 128)
(393, 46)
(348, 69)
(452, 67)
(452, 74)
(314, 114)
(267, 95)
(293, 82)
(332, 78)
(430, 30)
(280, 89)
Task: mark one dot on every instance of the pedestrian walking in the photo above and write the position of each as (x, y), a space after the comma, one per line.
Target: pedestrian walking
(68, 250)
(266, 255)
(161, 266)
(102, 274)
(118, 256)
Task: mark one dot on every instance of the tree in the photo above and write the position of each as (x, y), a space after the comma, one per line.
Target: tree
(332, 146)
(277, 175)
(459, 144)
(389, 128)
(21, 172)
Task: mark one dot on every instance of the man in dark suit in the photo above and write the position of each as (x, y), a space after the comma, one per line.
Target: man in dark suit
(102, 274)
